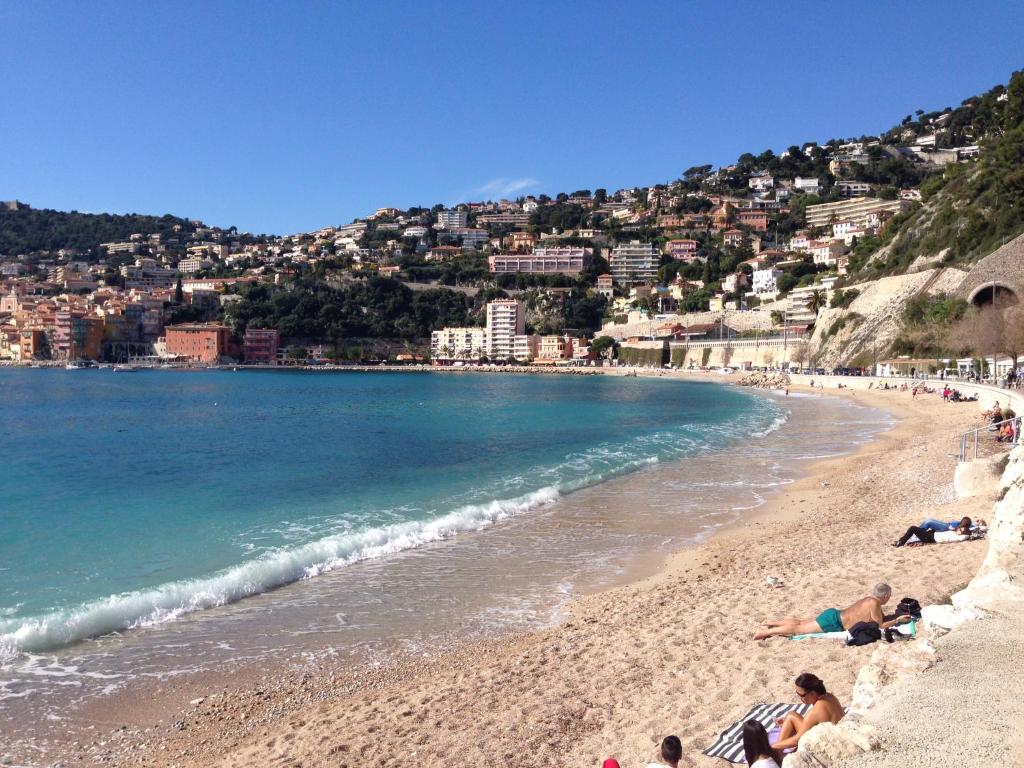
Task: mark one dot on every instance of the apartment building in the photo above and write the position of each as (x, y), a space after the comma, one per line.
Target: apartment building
(504, 219)
(765, 281)
(860, 210)
(827, 251)
(449, 344)
(566, 260)
(468, 237)
(853, 188)
(452, 219)
(526, 346)
(634, 263)
(260, 345)
(192, 265)
(810, 186)
(199, 342)
(682, 250)
(506, 319)
(555, 348)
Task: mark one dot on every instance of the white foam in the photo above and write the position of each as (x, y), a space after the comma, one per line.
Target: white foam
(141, 608)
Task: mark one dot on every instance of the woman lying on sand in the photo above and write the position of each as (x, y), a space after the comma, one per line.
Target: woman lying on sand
(834, 620)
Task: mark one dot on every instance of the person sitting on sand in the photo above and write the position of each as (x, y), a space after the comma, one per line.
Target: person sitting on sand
(1007, 432)
(834, 620)
(993, 414)
(825, 708)
(757, 750)
(671, 753)
(928, 536)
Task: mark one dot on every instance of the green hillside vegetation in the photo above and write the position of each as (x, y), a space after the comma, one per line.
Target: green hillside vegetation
(29, 231)
(970, 209)
(377, 307)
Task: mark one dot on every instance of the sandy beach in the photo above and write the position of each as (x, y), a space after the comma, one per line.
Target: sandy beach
(671, 653)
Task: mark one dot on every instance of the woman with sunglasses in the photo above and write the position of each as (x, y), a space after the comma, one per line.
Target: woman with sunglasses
(825, 708)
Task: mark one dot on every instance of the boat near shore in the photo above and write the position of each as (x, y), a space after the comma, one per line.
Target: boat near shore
(125, 369)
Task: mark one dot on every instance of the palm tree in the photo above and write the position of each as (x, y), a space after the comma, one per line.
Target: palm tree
(816, 302)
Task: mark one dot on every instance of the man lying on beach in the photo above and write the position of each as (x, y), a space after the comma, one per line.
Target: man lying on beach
(834, 620)
(825, 708)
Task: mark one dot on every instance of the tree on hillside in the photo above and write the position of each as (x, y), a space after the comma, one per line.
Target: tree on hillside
(816, 301)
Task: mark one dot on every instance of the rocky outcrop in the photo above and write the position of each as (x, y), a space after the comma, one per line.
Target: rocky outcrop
(863, 332)
(765, 380)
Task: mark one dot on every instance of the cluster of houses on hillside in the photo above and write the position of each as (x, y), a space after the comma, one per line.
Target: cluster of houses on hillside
(117, 301)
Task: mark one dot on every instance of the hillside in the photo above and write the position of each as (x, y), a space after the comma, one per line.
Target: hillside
(968, 210)
(860, 227)
(29, 230)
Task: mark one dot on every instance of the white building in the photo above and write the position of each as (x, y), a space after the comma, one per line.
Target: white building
(827, 251)
(734, 282)
(761, 182)
(853, 188)
(526, 346)
(506, 319)
(809, 185)
(765, 281)
(457, 344)
(634, 262)
(468, 237)
(193, 265)
(415, 231)
(452, 219)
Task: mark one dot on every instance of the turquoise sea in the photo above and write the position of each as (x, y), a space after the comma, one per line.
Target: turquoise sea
(130, 500)
(163, 533)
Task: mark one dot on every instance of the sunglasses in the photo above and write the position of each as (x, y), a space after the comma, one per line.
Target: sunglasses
(802, 694)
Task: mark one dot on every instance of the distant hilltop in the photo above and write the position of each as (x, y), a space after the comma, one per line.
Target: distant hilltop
(14, 205)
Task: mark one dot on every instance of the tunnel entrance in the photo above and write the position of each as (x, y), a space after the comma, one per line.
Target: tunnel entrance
(993, 293)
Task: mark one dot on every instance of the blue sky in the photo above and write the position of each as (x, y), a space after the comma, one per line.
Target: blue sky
(284, 117)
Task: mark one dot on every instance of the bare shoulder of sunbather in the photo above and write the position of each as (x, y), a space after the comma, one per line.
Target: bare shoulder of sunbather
(865, 609)
(827, 709)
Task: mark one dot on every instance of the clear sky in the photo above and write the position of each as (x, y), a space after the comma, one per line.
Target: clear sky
(288, 116)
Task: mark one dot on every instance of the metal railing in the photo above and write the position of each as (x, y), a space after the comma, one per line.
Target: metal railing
(967, 438)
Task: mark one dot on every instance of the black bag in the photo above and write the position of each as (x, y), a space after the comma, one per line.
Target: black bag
(908, 607)
(864, 633)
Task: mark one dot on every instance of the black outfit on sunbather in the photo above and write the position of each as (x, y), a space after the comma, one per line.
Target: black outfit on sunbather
(924, 534)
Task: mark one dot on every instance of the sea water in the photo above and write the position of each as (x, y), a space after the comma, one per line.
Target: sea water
(168, 522)
(131, 500)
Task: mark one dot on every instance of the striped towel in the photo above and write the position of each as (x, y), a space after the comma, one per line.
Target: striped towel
(729, 746)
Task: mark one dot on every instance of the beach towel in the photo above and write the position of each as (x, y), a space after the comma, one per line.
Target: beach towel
(909, 629)
(729, 745)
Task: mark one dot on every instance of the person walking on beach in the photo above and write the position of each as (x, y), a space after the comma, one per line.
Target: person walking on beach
(834, 620)
(825, 708)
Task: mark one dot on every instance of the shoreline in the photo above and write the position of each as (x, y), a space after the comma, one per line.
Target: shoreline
(547, 592)
(269, 709)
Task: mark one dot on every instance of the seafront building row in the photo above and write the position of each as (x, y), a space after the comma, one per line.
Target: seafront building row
(505, 338)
